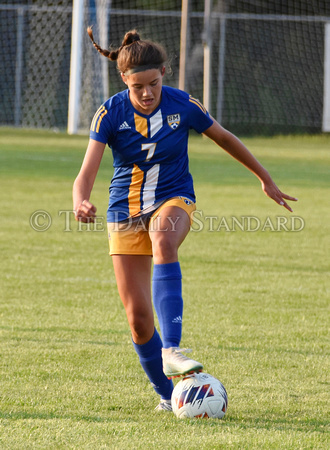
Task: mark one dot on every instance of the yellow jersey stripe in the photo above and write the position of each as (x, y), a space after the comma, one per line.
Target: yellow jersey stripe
(141, 125)
(134, 194)
(96, 116)
(100, 120)
(197, 103)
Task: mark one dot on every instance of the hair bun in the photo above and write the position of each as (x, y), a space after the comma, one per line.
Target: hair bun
(130, 37)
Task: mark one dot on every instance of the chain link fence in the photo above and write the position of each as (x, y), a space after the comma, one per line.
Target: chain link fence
(267, 70)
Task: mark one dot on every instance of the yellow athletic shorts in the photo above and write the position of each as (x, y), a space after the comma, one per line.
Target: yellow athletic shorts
(131, 237)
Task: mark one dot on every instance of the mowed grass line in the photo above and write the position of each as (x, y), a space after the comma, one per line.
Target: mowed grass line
(256, 305)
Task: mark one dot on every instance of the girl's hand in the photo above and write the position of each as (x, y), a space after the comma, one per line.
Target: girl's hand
(272, 191)
(85, 212)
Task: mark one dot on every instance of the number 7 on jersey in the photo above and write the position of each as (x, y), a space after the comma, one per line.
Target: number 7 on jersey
(151, 150)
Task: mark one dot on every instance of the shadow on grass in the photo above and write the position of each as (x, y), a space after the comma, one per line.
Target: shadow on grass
(61, 329)
(23, 415)
(228, 423)
(60, 339)
(271, 350)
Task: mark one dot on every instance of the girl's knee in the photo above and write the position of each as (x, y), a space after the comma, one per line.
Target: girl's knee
(165, 249)
(141, 324)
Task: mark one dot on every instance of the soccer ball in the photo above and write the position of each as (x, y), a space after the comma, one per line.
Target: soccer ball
(199, 395)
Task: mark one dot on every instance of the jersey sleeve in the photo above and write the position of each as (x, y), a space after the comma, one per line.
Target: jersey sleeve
(199, 118)
(101, 130)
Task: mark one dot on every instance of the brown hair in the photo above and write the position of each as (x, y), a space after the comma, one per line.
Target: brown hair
(134, 52)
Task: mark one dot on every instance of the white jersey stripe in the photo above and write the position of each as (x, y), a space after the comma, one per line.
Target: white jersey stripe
(150, 186)
(156, 123)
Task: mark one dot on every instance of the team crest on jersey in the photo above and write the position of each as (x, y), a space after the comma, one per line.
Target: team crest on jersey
(174, 121)
(186, 200)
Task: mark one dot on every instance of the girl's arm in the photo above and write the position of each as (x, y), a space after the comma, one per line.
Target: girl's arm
(82, 187)
(237, 150)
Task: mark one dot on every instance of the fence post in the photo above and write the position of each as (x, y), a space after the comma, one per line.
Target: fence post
(207, 42)
(102, 14)
(221, 72)
(184, 43)
(19, 67)
(75, 66)
(326, 86)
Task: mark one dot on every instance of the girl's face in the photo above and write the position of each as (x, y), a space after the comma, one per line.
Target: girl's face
(145, 89)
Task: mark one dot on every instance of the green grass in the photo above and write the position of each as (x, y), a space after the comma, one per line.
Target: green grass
(256, 305)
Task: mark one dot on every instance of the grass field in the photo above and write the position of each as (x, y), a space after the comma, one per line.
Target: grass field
(256, 304)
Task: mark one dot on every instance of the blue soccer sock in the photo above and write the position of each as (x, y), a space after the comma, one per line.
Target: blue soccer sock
(168, 302)
(150, 355)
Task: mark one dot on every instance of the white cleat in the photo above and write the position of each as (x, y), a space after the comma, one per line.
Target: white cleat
(164, 405)
(175, 364)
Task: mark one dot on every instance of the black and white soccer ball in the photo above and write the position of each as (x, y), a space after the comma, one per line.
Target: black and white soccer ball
(199, 395)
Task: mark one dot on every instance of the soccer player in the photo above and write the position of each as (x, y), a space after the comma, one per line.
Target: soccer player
(152, 199)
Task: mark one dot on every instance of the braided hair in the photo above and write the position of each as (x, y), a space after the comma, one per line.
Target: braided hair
(134, 53)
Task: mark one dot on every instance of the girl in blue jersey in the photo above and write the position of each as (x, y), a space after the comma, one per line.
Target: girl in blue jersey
(152, 199)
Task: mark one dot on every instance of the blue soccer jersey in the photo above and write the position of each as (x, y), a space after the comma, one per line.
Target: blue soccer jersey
(150, 152)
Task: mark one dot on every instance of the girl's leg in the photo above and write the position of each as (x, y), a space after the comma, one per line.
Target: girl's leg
(167, 232)
(133, 280)
(133, 273)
